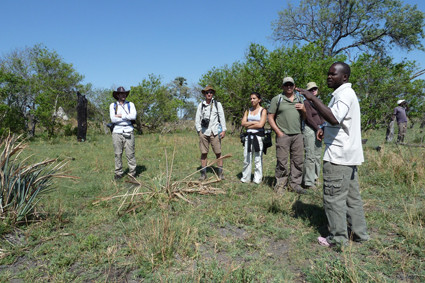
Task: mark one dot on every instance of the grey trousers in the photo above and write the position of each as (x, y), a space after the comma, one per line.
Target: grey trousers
(342, 203)
(313, 156)
(402, 129)
(122, 143)
(289, 146)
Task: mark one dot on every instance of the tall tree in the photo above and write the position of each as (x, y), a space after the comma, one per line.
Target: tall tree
(341, 25)
(154, 103)
(44, 83)
(179, 90)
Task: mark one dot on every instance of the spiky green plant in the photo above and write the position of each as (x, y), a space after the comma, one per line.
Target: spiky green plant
(22, 183)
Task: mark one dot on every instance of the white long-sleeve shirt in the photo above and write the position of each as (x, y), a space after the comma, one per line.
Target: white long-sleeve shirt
(204, 111)
(123, 124)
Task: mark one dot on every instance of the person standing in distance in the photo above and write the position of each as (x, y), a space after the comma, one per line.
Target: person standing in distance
(122, 113)
(400, 114)
(343, 153)
(211, 127)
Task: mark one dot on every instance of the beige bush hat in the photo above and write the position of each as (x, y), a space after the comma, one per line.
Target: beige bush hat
(311, 85)
(288, 80)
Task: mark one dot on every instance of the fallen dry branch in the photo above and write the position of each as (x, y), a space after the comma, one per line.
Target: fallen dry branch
(168, 190)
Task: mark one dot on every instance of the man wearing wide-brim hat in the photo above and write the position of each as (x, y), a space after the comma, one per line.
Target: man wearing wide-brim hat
(400, 114)
(123, 113)
(211, 127)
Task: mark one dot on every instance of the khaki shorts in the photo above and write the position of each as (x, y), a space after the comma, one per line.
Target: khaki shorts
(205, 141)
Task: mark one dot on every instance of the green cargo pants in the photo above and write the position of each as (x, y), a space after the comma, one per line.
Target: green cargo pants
(343, 204)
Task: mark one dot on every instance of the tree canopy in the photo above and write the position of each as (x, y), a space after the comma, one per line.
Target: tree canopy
(340, 25)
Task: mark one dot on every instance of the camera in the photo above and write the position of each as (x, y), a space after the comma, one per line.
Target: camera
(110, 126)
(205, 122)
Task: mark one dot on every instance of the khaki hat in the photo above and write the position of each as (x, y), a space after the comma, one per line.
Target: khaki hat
(207, 88)
(400, 101)
(288, 80)
(120, 90)
(311, 85)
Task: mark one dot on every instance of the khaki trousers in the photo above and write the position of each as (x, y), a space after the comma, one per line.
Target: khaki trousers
(313, 156)
(342, 203)
(289, 146)
(122, 143)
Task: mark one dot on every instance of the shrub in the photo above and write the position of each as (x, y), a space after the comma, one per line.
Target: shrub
(21, 183)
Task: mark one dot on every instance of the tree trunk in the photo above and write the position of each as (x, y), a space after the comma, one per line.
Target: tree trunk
(81, 117)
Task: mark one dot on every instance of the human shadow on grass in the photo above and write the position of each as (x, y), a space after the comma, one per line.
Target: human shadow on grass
(139, 170)
(313, 213)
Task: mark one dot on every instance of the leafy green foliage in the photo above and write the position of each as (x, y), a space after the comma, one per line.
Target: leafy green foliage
(154, 103)
(338, 26)
(263, 72)
(35, 82)
(379, 83)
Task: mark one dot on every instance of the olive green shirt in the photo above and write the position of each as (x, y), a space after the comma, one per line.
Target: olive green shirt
(288, 119)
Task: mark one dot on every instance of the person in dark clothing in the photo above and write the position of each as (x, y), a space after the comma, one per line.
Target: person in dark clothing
(312, 146)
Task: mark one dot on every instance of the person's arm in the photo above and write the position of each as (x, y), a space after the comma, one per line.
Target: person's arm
(222, 119)
(198, 126)
(115, 118)
(301, 108)
(259, 124)
(133, 113)
(244, 122)
(273, 125)
(320, 107)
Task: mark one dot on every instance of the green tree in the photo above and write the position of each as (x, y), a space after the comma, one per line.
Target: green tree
(154, 103)
(179, 90)
(44, 82)
(379, 83)
(263, 71)
(340, 25)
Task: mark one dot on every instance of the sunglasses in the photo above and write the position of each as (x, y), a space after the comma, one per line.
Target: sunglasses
(313, 89)
(288, 84)
(209, 92)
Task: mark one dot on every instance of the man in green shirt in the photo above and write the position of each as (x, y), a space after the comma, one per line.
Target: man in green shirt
(286, 113)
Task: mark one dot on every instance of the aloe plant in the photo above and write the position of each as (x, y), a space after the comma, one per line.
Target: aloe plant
(22, 183)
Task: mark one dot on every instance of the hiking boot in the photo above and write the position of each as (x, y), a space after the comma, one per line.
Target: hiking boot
(279, 188)
(220, 173)
(299, 190)
(203, 175)
(117, 177)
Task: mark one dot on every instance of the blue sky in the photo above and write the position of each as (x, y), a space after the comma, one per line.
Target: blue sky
(116, 43)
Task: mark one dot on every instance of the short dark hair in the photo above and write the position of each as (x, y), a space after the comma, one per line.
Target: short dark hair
(345, 68)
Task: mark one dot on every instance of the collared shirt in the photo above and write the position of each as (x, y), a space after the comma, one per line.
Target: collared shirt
(123, 124)
(288, 118)
(204, 111)
(344, 141)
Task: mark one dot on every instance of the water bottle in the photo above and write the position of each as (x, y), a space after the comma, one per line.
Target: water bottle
(220, 129)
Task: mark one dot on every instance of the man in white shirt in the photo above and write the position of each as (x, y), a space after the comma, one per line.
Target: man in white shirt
(122, 114)
(211, 127)
(343, 153)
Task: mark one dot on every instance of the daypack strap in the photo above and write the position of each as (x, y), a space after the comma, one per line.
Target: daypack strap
(116, 106)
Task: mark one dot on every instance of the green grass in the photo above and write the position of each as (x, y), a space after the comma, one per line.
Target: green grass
(247, 234)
